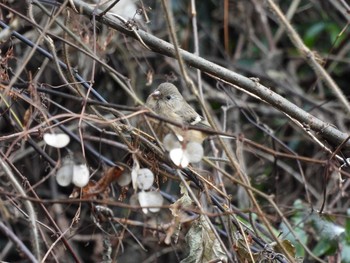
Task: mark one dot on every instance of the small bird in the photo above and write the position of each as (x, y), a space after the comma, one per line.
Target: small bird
(167, 101)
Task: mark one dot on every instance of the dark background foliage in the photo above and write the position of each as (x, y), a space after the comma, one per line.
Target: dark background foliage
(286, 182)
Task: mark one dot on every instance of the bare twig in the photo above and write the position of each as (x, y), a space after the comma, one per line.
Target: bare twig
(7, 232)
(310, 56)
(33, 229)
(247, 85)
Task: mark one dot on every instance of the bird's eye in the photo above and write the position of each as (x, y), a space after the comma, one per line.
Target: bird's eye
(168, 97)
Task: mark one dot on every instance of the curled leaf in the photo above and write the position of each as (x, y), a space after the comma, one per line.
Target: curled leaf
(203, 244)
(93, 189)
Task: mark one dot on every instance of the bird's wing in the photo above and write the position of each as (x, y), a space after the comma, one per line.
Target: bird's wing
(191, 117)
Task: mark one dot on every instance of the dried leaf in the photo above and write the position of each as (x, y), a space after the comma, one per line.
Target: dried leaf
(287, 246)
(178, 214)
(92, 189)
(203, 244)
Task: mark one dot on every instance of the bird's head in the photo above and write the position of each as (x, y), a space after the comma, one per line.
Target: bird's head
(165, 98)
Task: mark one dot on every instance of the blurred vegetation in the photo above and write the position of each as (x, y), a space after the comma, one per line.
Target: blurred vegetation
(282, 197)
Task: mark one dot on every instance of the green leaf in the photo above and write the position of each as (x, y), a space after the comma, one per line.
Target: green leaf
(325, 228)
(347, 227)
(298, 222)
(345, 253)
(313, 32)
(302, 236)
(325, 247)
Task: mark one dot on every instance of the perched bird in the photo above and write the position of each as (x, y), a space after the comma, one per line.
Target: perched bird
(167, 101)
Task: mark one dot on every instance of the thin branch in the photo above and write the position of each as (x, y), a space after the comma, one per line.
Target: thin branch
(30, 209)
(267, 95)
(309, 56)
(22, 247)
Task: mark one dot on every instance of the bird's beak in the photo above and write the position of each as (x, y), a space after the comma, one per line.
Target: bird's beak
(155, 95)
